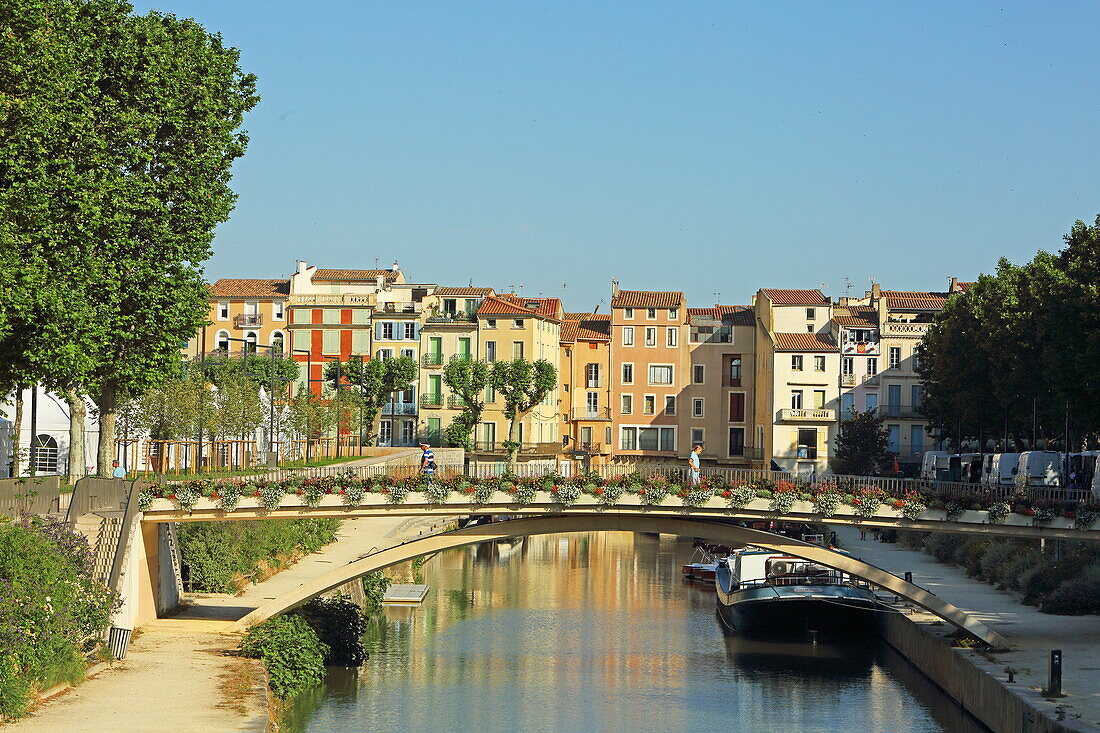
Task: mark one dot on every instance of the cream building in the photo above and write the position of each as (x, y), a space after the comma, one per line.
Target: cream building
(586, 385)
(797, 377)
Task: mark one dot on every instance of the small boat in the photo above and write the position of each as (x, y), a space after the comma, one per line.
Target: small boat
(766, 592)
(704, 562)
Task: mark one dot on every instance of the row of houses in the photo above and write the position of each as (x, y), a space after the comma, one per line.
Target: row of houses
(755, 384)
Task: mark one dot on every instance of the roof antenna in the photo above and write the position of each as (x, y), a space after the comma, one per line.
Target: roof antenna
(376, 263)
(847, 286)
(717, 299)
(471, 281)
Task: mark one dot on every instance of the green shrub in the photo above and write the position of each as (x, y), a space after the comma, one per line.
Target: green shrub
(1076, 596)
(996, 555)
(942, 546)
(968, 555)
(1008, 576)
(374, 587)
(1052, 575)
(291, 650)
(339, 624)
(217, 554)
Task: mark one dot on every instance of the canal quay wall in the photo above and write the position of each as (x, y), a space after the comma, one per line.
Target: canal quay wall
(971, 680)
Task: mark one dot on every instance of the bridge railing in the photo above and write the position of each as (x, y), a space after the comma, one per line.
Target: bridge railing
(956, 490)
(30, 495)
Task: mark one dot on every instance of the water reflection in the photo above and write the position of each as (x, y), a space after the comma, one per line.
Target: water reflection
(595, 632)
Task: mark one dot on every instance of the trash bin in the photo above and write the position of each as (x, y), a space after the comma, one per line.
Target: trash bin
(118, 640)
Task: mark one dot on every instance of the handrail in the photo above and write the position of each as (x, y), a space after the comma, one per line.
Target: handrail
(129, 520)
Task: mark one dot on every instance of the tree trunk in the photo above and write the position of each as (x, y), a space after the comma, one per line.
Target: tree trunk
(107, 401)
(513, 449)
(78, 411)
(17, 434)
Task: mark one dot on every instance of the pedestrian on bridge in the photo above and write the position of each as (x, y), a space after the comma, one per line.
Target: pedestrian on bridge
(693, 459)
(427, 461)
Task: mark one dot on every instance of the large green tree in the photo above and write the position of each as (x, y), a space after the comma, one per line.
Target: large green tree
(114, 169)
(522, 385)
(375, 381)
(467, 379)
(861, 444)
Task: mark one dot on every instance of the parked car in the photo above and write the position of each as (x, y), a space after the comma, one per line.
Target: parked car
(1001, 469)
(1039, 468)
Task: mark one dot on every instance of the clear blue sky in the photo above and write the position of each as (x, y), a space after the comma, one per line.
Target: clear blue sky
(708, 147)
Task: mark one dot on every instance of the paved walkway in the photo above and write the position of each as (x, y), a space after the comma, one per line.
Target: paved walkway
(1031, 634)
(177, 675)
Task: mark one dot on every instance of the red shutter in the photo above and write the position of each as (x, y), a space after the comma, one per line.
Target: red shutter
(737, 407)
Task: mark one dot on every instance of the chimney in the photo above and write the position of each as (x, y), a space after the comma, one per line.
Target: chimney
(876, 291)
(954, 286)
(380, 282)
(395, 268)
(302, 266)
(614, 287)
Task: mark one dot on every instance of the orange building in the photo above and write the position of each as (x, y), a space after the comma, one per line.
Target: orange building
(252, 309)
(650, 370)
(586, 384)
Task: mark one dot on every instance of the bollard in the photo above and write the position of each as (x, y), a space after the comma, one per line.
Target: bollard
(1054, 680)
(118, 640)
(813, 637)
(908, 576)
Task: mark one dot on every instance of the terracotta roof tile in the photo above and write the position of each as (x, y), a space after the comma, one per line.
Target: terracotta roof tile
(648, 299)
(588, 316)
(547, 307)
(734, 315)
(585, 329)
(354, 275)
(496, 306)
(250, 288)
(858, 316)
(470, 292)
(781, 296)
(914, 300)
(804, 342)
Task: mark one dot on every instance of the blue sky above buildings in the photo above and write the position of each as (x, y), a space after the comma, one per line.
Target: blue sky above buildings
(708, 147)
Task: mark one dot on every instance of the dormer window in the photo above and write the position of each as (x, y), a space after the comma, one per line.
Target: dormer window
(450, 305)
(811, 314)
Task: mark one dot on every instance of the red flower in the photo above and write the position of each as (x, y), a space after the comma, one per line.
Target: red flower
(256, 492)
(513, 490)
(215, 495)
(598, 492)
(343, 491)
(641, 492)
(172, 496)
(727, 494)
(384, 491)
(554, 489)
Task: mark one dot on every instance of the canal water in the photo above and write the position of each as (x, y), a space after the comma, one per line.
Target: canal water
(597, 632)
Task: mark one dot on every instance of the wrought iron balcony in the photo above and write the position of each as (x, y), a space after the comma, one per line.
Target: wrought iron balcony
(585, 413)
(432, 360)
(445, 317)
(431, 400)
(248, 320)
(399, 408)
(398, 307)
(849, 380)
(455, 402)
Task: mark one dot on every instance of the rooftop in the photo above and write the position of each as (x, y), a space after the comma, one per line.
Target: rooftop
(804, 342)
(734, 315)
(250, 288)
(914, 300)
(857, 316)
(469, 292)
(586, 327)
(647, 299)
(782, 296)
(354, 275)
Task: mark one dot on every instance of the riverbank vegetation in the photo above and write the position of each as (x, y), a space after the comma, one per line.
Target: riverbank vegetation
(52, 610)
(224, 557)
(1066, 582)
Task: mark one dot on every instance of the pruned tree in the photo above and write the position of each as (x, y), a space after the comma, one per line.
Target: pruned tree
(308, 415)
(375, 380)
(467, 379)
(862, 444)
(522, 385)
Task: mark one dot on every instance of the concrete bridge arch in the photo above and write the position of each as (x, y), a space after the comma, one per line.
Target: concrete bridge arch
(714, 531)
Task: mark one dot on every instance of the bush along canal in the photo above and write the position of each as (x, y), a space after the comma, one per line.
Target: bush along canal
(599, 632)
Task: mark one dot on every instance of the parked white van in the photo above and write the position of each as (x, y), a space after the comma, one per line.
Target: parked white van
(1001, 469)
(1096, 485)
(928, 464)
(1039, 468)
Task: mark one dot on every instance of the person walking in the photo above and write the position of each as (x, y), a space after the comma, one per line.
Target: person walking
(693, 459)
(427, 461)
(117, 471)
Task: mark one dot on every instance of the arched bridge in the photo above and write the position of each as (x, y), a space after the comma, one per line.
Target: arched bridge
(619, 521)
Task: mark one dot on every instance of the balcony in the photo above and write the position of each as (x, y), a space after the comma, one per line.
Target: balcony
(248, 320)
(849, 380)
(432, 360)
(399, 408)
(801, 415)
(497, 446)
(905, 330)
(431, 400)
(449, 317)
(398, 307)
(455, 402)
(585, 413)
(456, 358)
(900, 412)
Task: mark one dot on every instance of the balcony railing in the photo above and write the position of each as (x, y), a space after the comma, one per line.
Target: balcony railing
(431, 400)
(455, 402)
(399, 408)
(497, 446)
(912, 330)
(451, 317)
(456, 358)
(398, 307)
(248, 320)
(585, 413)
(803, 415)
(848, 380)
(432, 360)
(902, 412)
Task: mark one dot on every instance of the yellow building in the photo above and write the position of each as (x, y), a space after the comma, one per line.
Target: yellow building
(586, 385)
(252, 309)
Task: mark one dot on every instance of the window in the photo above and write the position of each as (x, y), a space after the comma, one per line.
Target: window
(450, 305)
(383, 354)
(670, 404)
(471, 305)
(737, 407)
(847, 365)
(627, 406)
(915, 360)
(660, 374)
(491, 323)
(385, 432)
(517, 349)
(819, 363)
(696, 436)
(491, 394)
(651, 314)
(222, 340)
(628, 374)
(819, 399)
(893, 437)
(872, 401)
(408, 432)
(917, 396)
(916, 438)
(796, 362)
(277, 342)
(697, 407)
(408, 353)
(592, 404)
(517, 323)
(811, 314)
(330, 342)
(223, 311)
(628, 335)
(807, 443)
(737, 442)
(673, 337)
(672, 314)
(592, 375)
(628, 439)
(872, 366)
(847, 405)
(410, 330)
(649, 404)
(895, 357)
(300, 339)
(330, 315)
(796, 399)
(735, 371)
(277, 310)
(809, 328)
(628, 313)
(490, 351)
(44, 453)
(385, 330)
(697, 373)
(650, 336)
